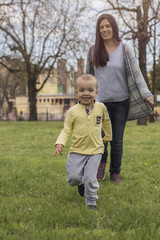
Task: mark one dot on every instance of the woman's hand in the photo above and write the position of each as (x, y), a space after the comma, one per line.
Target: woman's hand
(150, 101)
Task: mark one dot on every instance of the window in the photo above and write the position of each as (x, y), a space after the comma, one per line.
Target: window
(66, 101)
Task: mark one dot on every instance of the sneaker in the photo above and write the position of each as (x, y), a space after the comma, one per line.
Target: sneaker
(101, 171)
(115, 178)
(92, 207)
(81, 190)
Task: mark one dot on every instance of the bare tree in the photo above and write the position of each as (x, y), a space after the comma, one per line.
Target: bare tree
(12, 82)
(40, 32)
(3, 89)
(4, 4)
(154, 46)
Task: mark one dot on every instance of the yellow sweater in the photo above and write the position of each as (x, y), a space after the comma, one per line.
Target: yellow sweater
(86, 129)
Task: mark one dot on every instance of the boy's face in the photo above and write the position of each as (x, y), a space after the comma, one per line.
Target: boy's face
(86, 91)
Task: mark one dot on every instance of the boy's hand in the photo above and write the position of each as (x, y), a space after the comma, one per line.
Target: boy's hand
(58, 149)
(104, 141)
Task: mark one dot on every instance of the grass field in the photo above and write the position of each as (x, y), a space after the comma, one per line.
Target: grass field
(36, 202)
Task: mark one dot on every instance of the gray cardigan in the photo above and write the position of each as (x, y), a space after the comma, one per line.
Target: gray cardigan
(138, 89)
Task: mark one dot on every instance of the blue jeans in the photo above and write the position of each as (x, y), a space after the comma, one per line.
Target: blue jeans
(118, 112)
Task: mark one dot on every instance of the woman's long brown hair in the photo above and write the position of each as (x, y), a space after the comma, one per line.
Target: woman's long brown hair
(100, 55)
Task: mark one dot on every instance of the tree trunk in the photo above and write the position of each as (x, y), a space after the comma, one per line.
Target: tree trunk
(142, 43)
(142, 65)
(142, 121)
(32, 92)
(32, 107)
(151, 118)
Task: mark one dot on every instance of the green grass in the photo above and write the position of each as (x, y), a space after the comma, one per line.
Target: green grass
(36, 202)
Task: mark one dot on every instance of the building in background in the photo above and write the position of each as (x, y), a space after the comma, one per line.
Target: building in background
(55, 98)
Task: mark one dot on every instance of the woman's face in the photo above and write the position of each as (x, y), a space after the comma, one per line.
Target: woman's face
(106, 30)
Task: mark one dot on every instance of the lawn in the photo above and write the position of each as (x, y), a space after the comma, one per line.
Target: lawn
(36, 202)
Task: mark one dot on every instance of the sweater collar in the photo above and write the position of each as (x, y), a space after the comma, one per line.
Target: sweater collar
(85, 107)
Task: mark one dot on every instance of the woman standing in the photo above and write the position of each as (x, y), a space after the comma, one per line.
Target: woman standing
(121, 85)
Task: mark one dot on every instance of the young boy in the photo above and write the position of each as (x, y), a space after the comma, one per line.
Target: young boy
(85, 120)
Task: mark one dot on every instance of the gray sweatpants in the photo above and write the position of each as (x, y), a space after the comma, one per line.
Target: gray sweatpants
(82, 169)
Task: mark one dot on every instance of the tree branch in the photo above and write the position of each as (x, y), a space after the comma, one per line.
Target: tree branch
(6, 4)
(9, 69)
(122, 7)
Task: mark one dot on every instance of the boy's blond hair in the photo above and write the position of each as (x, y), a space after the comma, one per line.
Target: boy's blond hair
(87, 77)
